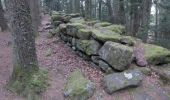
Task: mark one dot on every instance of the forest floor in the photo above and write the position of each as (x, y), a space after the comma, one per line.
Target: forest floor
(61, 62)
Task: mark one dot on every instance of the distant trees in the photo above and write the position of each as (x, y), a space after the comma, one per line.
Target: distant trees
(3, 23)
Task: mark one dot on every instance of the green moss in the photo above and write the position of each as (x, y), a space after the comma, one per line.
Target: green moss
(86, 46)
(28, 84)
(156, 54)
(77, 20)
(116, 28)
(130, 40)
(76, 25)
(84, 33)
(105, 35)
(76, 86)
(102, 24)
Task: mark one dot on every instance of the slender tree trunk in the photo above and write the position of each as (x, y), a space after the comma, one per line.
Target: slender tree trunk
(110, 9)
(3, 23)
(88, 9)
(76, 6)
(24, 53)
(145, 19)
(100, 9)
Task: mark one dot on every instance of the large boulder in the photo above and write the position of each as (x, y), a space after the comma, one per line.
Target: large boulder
(72, 28)
(156, 54)
(116, 28)
(78, 87)
(118, 81)
(90, 47)
(84, 34)
(104, 35)
(117, 55)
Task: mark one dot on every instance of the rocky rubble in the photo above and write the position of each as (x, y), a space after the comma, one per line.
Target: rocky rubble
(105, 45)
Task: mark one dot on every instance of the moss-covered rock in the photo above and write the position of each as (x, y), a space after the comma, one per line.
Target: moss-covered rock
(84, 34)
(102, 24)
(62, 28)
(106, 35)
(117, 55)
(72, 28)
(91, 23)
(156, 54)
(77, 20)
(90, 47)
(59, 17)
(78, 87)
(74, 15)
(116, 28)
(129, 40)
(56, 23)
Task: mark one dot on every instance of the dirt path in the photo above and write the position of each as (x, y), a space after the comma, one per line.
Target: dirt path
(60, 63)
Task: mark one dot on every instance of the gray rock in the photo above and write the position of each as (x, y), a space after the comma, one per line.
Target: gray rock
(105, 67)
(90, 47)
(78, 87)
(72, 28)
(117, 55)
(163, 71)
(84, 34)
(118, 81)
(95, 59)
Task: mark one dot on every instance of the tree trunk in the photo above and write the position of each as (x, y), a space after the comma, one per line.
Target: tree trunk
(76, 6)
(110, 9)
(3, 23)
(88, 9)
(25, 62)
(145, 19)
(35, 14)
(100, 9)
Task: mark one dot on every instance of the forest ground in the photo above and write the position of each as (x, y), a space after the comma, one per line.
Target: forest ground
(60, 63)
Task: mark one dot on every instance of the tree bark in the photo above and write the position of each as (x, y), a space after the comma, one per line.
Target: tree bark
(35, 14)
(3, 23)
(24, 52)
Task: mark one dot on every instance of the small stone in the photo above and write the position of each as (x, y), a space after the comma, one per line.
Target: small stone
(105, 67)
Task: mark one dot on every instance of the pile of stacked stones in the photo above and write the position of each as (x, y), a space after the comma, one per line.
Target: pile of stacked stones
(106, 46)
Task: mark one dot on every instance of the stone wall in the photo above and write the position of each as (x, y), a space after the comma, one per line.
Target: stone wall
(105, 44)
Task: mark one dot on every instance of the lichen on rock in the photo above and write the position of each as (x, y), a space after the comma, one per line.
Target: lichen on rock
(156, 55)
(78, 87)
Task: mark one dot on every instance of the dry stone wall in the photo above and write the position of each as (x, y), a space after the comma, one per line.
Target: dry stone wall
(105, 44)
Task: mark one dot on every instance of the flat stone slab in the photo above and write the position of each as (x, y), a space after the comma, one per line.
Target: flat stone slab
(104, 35)
(118, 81)
(117, 55)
